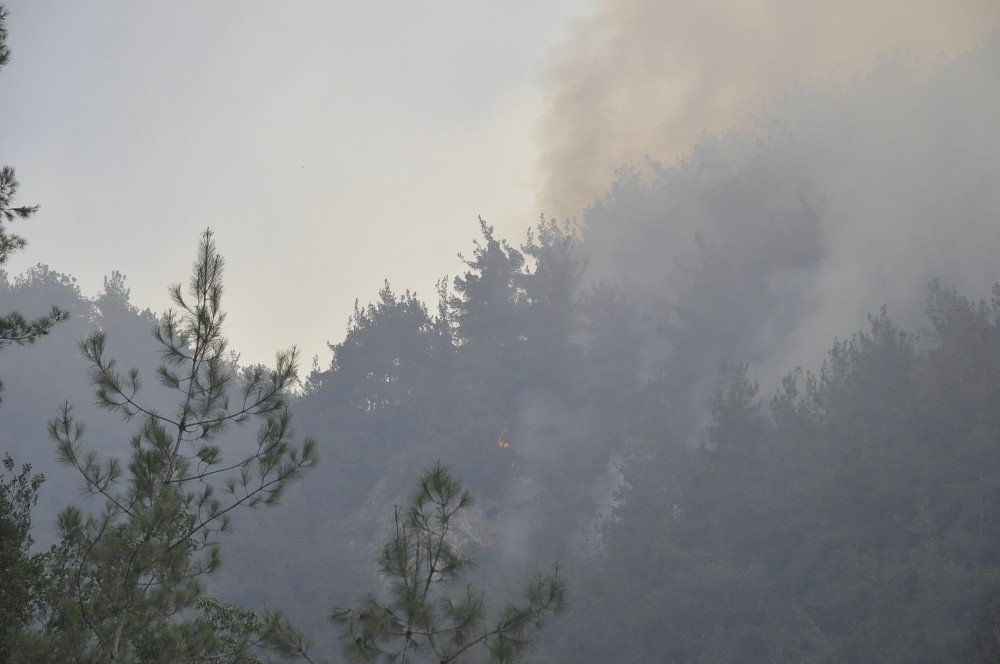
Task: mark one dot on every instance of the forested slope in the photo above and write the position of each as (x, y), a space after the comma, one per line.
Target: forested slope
(594, 387)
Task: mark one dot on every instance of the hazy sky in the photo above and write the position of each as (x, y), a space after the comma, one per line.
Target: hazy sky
(648, 77)
(332, 145)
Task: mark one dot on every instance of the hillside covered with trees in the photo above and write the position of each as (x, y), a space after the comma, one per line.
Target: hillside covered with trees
(747, 409)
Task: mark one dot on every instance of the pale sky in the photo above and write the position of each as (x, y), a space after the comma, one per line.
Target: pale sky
(329, 145)
(334, 144)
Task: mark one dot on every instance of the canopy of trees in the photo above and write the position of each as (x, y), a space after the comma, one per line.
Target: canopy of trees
(622, 398)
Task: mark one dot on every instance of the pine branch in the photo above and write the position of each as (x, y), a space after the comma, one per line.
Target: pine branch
(16, 329)
(161, 529)
(425, 562)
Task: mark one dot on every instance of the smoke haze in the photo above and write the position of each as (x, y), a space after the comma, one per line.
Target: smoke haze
(753, 181)
(648, 77)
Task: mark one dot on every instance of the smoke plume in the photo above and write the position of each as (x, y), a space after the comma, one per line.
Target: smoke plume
(648, 77)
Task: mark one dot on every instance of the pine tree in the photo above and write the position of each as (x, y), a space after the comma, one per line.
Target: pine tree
(129, 576)
(15, 328)
(488, 297)
(21, 572)
(426, 618)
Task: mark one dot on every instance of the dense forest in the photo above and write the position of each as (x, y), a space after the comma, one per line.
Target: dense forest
(600, 443)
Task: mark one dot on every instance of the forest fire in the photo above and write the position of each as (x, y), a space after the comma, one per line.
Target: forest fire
(721, 227)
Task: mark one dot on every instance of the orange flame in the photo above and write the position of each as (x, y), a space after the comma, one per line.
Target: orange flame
(502, 439)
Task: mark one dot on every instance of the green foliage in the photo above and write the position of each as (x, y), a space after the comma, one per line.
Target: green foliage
(15, 328)
(9, 243)
(18, 330)
(855, 521)
(488, 296)
(388, 345)
(4, 50)
(430, 614)
(128, 574)
(22, 574)
(237, 629)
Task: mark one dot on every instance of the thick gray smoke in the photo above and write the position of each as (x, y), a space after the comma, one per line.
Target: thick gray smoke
(647, 77)
(764, 243)
(837, 200)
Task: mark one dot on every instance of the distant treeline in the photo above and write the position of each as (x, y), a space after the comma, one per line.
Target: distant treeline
(595, 389)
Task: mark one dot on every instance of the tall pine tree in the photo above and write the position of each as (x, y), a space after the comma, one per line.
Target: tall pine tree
(15, 328)
(128, 577)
